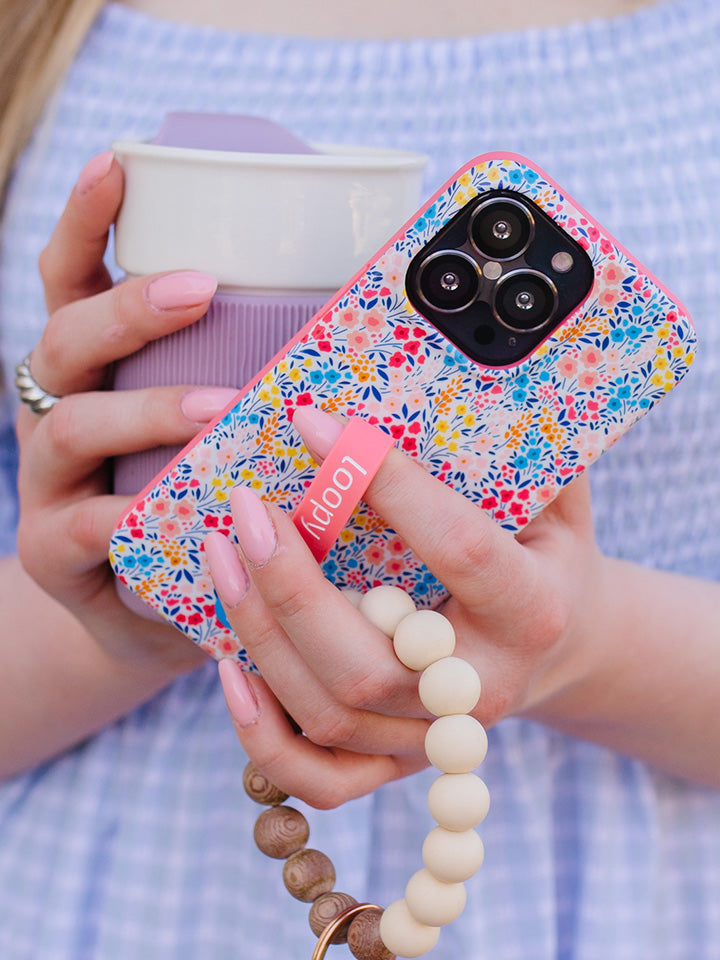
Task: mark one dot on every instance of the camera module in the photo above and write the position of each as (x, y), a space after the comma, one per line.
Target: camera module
(448, 281)
(525, 300)
(501, 228)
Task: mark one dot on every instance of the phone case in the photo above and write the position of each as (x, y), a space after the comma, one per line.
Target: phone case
(508, 438)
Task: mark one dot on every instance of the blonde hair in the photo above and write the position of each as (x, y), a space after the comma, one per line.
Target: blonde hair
(39, 40)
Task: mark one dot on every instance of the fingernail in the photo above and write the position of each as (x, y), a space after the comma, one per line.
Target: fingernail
(187, 288)
(253, 527)
(319, 429)
(203, 405)
(94, 171)
(226, 569)
(239, 697)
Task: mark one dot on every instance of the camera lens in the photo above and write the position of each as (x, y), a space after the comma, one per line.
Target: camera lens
(501, 229)
(525, 300)
(448, 281)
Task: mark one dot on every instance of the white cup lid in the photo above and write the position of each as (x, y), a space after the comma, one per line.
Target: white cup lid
(262, 221)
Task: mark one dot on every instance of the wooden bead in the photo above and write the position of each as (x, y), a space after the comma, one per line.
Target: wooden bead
(422, 638)
(363, 937)
(456, 744)
(308, 874)
(433, 902)
(450, 685)
(458, 801)
(453, 856)
(281, 831)
(403, 935)
(259, 788)
(385, 607)
(325, 909)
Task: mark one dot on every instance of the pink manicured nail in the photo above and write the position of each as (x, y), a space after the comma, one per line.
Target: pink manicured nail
(94, 171)
(201, 406)
(239, 697)
(187, 288)
(319, 430)
(226, 569)
(254, 529)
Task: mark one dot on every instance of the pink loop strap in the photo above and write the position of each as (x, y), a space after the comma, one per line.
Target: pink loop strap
(340, 483)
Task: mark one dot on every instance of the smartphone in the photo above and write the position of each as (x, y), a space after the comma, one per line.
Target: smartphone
(502, 337)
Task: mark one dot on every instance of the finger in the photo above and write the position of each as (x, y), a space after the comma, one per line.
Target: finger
(83, 337)
(323, 778)
(363, 673)
(81, 431)
(481, 564)
(71, 264)
(326, 721)
(60, 545)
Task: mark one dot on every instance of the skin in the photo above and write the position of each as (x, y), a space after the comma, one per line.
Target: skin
(614, 653)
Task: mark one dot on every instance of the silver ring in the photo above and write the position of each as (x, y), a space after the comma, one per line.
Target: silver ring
(30, 391)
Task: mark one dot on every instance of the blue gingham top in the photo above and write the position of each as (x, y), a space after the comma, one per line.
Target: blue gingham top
(138, 844)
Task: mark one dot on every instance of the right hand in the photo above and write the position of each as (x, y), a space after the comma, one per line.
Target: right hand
(67, 509)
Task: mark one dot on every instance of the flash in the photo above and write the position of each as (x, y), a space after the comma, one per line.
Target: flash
(492, 270)
(562, 262)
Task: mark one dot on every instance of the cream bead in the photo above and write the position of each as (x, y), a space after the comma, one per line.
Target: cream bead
(403, 935)
(385, 607)
(450, 685)
(451, 856)
(458, 801)
(422, 638)
(456, 744)
(433, 902)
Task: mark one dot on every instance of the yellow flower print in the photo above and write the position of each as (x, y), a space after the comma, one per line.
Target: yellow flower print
(294, 374)
(346, 536)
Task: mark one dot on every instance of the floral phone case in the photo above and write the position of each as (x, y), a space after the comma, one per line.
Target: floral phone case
(509, 437)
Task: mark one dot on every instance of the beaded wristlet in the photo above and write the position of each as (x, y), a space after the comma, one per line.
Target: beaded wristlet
(458, 800)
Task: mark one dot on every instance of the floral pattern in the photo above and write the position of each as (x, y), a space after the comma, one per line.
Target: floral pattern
(509, 439)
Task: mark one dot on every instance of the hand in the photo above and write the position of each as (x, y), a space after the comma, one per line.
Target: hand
(67, 509)
(520, 607)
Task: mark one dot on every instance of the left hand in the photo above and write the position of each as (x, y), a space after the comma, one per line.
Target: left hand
(522, 607)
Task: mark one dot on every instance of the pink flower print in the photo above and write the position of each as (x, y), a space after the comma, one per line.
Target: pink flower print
(395, 566)
(348, 319)
(169, 527)
(401, 333)
(226, 453)
(613, 365)
(185, 509)
(567, 366)
(607, 297)
(591, 356)
(203, 468)
(605, 246)
(588, 379)
(397, 359)
(594, 234)
(392, 267)
(409, 444)
(416, 401)
(357, 340)
(396, 546)
(375, 554)
(374, 321)
(613, 274)
(412, 347)
(546, 493)
(160, 508)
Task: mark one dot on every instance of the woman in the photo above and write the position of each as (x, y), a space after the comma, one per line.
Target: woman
(133, 841)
